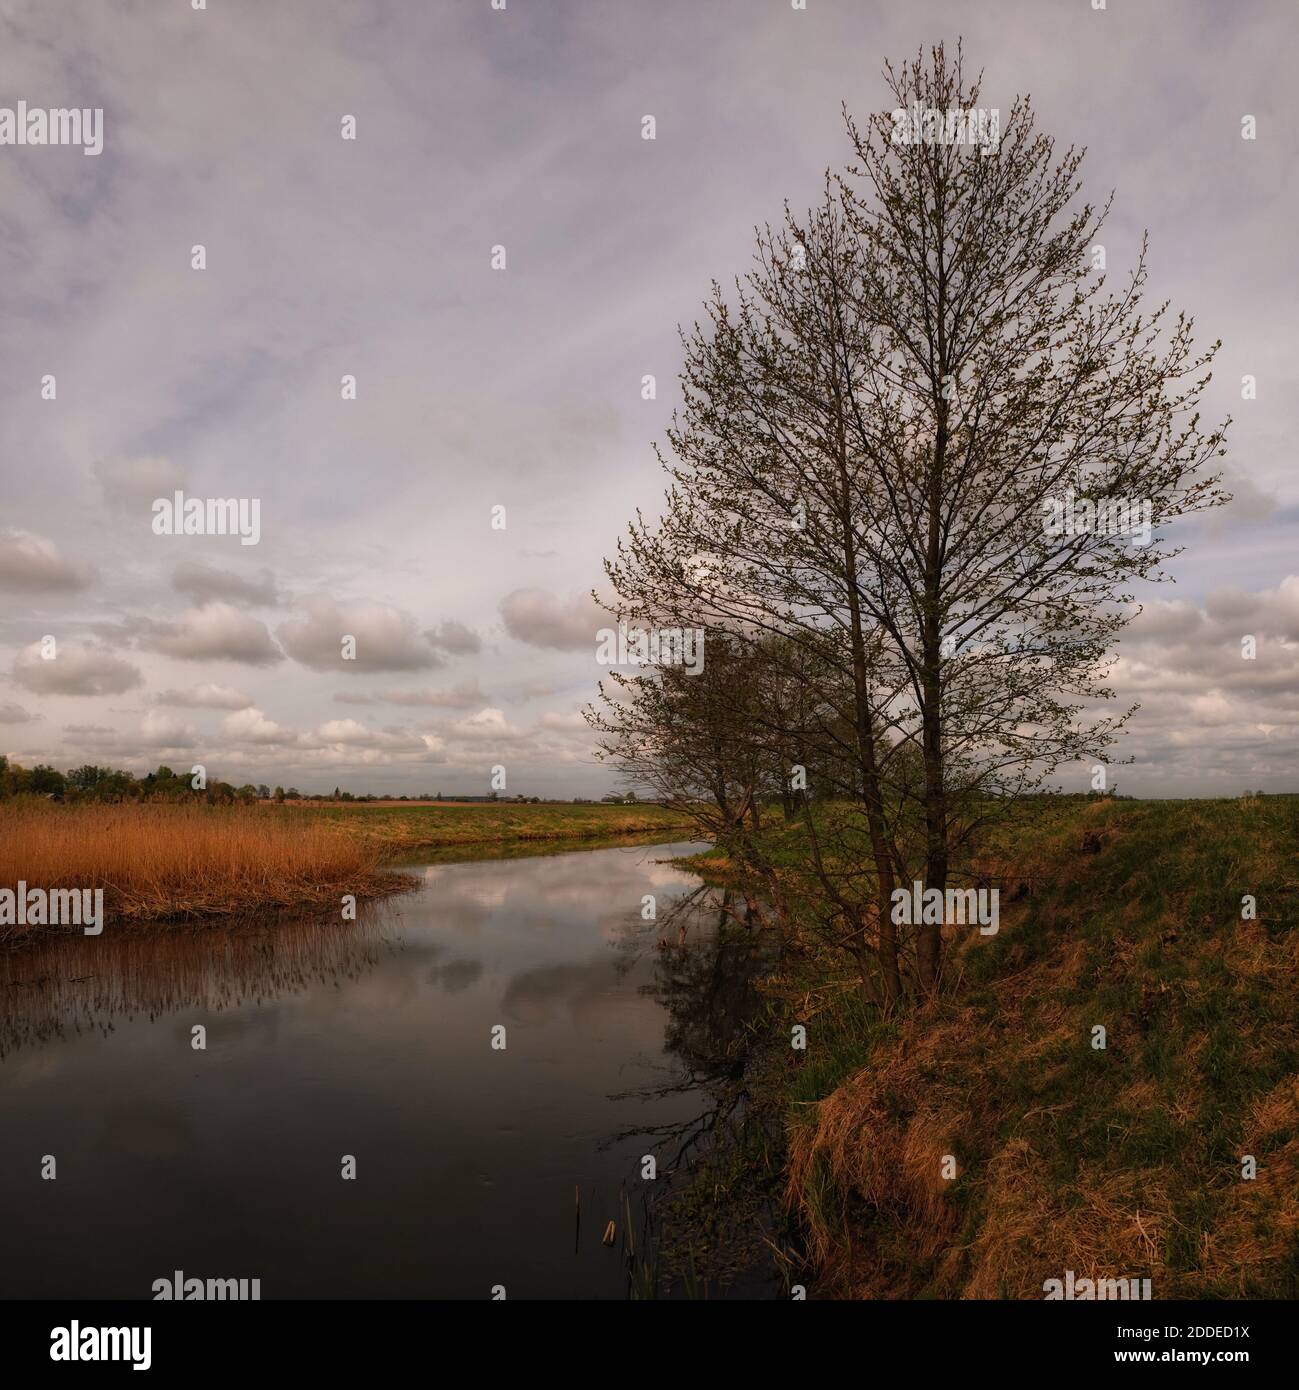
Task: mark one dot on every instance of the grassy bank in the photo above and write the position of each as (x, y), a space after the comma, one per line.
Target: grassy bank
(398, 828)
(1115, 1162)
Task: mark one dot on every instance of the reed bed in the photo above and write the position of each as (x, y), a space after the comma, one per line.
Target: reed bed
(165, 861)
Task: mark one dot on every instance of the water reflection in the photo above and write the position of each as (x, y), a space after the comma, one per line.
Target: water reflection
(372, 1039)
(71, 985)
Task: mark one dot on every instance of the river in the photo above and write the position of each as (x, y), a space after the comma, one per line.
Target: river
(477, 1168)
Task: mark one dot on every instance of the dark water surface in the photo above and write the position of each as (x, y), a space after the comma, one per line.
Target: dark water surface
(371, 1039)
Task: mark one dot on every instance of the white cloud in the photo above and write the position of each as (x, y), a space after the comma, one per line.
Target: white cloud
(574, 721)
(540, 619)
(206, 582)
(252, 726)
(136, 482)
(455, 638)
(32, 564)
(216, 632)
(487, 724)
(350, 733)
(205, 696)
(159, 730)
(386, 638)
(77, 668)
(465, 695)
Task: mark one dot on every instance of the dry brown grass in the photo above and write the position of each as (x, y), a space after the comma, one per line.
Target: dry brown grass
(163, 861)
(883, 1137)
(1122, 1163)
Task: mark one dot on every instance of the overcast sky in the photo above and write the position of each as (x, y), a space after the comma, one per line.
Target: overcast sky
(521, 388)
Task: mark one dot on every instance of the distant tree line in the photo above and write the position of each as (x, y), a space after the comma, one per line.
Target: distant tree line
(90, 782)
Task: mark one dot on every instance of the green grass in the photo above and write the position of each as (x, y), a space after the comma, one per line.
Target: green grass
(1114, 1162)
(398, 829)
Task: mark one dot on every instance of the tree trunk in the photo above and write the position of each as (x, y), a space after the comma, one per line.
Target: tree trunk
(886, 939)
(929, 936)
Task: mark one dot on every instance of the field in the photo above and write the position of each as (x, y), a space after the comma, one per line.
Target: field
(397, 827)
(158, 862)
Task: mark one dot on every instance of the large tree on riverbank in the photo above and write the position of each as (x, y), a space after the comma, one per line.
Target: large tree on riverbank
(884, 426)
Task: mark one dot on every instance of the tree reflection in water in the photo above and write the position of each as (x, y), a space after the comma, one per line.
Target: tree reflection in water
(711, 1220)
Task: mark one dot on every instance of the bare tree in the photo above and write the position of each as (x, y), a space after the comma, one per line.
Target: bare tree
(900, 436)
(1003, 385)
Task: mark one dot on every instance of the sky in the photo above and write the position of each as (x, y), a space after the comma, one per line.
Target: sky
(480, 388)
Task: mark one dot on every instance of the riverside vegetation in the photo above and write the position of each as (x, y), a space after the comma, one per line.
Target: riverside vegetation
(1128, 1158)
(176, 860)
(882, 423)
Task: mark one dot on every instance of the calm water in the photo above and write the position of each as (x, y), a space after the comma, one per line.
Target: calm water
(371, 1039)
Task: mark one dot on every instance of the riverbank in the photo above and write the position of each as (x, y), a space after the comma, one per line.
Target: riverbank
(397, 828)
(162, 862)
(991, 1140)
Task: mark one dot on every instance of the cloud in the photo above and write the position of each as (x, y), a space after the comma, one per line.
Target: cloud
(487, 724)
(466, 695)
(159, 730)
(572, 721)
(15, 714)
(135, 482)
(206, 582)
(400, 482)
(1249, 503)
(386, 638)
(1195, 652)
(77, 668)
(351, 734)
(215, 632)
(540, 619)
(252, 726)
(455, 638)
(206, 696)
(1212, 716)
(31, 564)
